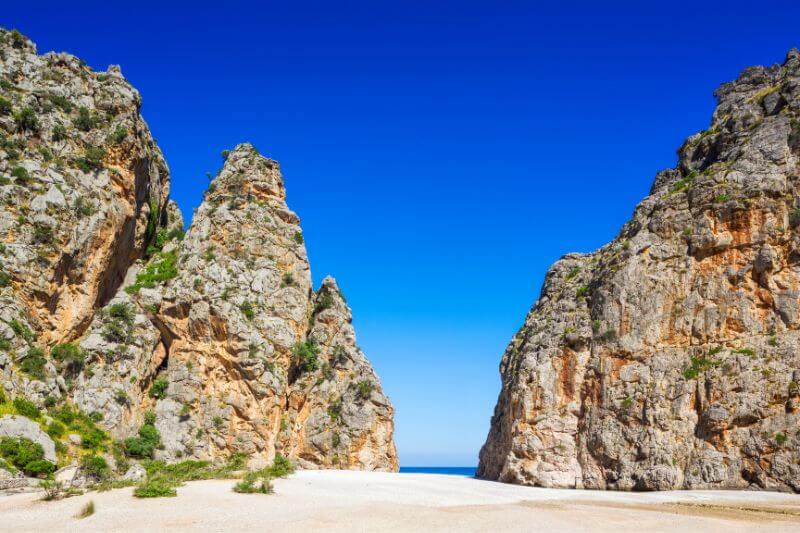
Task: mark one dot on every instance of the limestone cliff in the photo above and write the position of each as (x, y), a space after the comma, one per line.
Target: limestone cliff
(83, 188)
(107, 306)
(670, 358)
(259, 363)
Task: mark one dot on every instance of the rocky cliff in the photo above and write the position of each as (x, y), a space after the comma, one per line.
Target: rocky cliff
(108, 308)
(670, 358)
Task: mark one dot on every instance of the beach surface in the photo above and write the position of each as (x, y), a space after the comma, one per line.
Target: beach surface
(373, 501)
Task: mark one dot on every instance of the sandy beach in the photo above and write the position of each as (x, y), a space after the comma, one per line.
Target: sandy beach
(369, 501)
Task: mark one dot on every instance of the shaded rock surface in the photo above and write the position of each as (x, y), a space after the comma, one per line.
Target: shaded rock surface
(106, 305)
(670, 358)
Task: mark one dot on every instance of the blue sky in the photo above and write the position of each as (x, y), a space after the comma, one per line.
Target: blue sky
(440, 154)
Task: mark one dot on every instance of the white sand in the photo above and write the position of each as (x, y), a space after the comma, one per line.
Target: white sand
(368, 501)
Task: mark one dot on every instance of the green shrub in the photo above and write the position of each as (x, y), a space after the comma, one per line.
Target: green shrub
(247, 310)
(150, 418)
(59, 133)
(165, 476)
(582, 292)
(34, 362)
(5, 106)
(21, 174)
(39, 468)
(85, 120)
(281, 467)
(26, 120)
(364, 390)
(574, 271)
(145, 444)
(92, 159)
(21, 330)
(121, 317)
(773, 341)
(26, 408)
(258, 481)
(5, 279)
(115, 331)
(121, 397)
(163, 237)
(287, 280)
(56, 429)
(627, 403)
(305, 356)
(794, 218)
(17, 39)
(25, 455)
(254, 483)
(84, 208)
(157, 271)
(65, 415)
(335, 410)
(92, 437)
(780, 439)
(42, 234)
(95, 466)
(3, 398)
(298, 237)
(119, 135)
(122, 311)
(745, 351)
(61, 102)
(720, 198)
(155, 488)
(53, 490)
(158, 389)
(700, 364)
(324, 301)
(70, 356)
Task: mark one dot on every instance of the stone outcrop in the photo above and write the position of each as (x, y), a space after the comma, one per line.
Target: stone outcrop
(670, 358)
(106, 305)
(24, 428)
(258, 363)
(83, 188)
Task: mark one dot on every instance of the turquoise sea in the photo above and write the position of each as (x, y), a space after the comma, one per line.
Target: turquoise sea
(466, 471)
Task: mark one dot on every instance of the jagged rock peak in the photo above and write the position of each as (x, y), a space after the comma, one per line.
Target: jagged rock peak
(670, 358)
(247, 172)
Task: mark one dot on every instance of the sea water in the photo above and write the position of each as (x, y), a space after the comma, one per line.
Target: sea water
(466, 471)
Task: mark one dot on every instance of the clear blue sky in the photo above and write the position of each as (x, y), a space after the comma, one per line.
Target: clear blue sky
(440, 154)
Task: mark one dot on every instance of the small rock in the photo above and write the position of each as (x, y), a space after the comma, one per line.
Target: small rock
(136, 472)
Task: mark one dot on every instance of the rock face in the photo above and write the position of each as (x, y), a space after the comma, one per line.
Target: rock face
(258, 363)
(105, 304)
(83, 188)
(670, 358)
